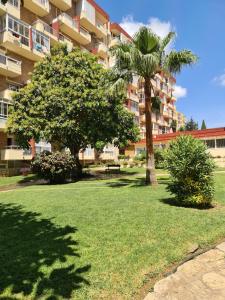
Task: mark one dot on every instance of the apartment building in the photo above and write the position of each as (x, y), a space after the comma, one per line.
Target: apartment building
(28, 31)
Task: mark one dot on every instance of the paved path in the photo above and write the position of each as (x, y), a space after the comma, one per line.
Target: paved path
(202, 278)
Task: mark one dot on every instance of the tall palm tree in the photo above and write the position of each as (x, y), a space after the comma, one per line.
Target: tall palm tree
(146, 56)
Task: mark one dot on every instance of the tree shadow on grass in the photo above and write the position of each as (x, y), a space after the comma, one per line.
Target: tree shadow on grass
(34, 255)
(136, 182)
(122, 182)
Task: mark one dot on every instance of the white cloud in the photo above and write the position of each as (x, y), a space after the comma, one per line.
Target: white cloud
(161, 28)
(220, 80)
(179, 92)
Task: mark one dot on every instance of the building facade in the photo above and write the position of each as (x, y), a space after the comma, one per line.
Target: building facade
(214, 138)
(28, 31)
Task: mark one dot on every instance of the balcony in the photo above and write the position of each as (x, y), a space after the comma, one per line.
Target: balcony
(2, 123)
(38, 7)
(115, 41)
(47, 30)
(141, 105)
(6, 94)
(21, 46)
(62, 4)
(12, 7)
(65, 40)
(102, 50)
(9, 66)
(133, 97)
(70, 27)
(15, 153)
(93, 26)
(142, 118)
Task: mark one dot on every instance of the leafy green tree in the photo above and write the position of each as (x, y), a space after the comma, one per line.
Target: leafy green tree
(191, 168)
(70, 102)
(173, 125)
(182, 128)
(191, 125)
(203, 127)
(146, 56)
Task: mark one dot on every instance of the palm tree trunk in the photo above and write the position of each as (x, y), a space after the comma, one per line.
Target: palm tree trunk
(150, 161)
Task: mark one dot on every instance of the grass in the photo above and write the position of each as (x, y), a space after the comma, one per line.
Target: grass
(97, 239)
(6, 181)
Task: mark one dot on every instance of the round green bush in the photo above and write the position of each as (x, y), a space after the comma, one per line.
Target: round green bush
(55, 167)
(191, 168)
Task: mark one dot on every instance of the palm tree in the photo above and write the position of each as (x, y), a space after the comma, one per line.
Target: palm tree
(146, 56)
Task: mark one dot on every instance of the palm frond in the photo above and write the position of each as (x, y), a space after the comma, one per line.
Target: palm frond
(146, 41)
(167, 40)
(175, 60)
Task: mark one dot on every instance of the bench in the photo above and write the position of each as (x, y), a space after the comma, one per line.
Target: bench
(113, 167)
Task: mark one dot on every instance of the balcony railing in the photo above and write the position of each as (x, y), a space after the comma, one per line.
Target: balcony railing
(10, 65)
(42, 26)
(8, 61)
(15, 3)
(84, 32)
(72, 23)
(43, 3)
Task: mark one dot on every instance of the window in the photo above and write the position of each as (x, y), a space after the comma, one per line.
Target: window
(14, 87)
(140, 150)
(19, 29)
(134, 107)
(89, 152)
(41, 41)
(220, 143)
(210, 143)
(4, 108)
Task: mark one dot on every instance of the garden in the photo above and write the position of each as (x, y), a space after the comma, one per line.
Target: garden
(98, 239)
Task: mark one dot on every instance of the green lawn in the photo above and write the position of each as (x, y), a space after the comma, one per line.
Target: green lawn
(6, 181)
(96, 239)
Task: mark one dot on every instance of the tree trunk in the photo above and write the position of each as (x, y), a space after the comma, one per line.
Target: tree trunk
(97, 156)
(150, 161)
(75, 153)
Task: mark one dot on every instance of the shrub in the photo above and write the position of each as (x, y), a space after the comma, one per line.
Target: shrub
(55, 167)
(141, 156)
(190, 166)
(159, 155)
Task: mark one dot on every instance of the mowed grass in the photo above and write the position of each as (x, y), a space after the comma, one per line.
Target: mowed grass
(97, 239)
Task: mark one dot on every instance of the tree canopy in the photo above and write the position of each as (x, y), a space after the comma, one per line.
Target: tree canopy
(203, 125)
(70, 101)
(191, 125)
(145, 56)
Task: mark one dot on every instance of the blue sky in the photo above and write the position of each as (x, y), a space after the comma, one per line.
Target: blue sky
(200, 27)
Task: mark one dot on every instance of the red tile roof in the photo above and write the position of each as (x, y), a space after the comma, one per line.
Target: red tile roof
(117, 27)
(201, 134)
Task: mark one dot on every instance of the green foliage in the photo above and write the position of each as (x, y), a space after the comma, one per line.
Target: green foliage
(182, 128)
(123, 156)
(70, 101)
(56, 167)
(191, 125)
(141, 156)
(160, 155)
(173, 125)
(146, 56)
(156, 104)
(203, 127)
(191, 169)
